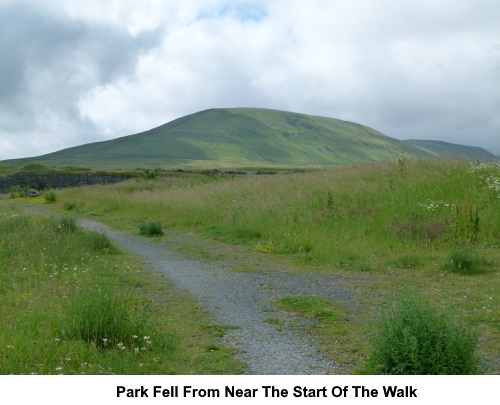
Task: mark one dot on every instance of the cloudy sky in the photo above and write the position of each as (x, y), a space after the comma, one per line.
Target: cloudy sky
(73, 72)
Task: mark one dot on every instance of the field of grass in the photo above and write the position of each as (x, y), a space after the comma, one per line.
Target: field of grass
(361, 217)
(432, 225)
(72, 303)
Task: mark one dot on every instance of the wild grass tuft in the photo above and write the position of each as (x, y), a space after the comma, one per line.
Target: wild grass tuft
(464, 261)
(69, 206)
(66, 225)
(99, 242)
(102, 317)
(151, 229)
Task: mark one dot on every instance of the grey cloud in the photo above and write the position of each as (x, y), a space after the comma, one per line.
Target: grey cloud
(40, 39)
(424, 70)
(48, 61)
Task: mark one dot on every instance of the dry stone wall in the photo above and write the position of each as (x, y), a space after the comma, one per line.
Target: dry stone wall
(42, 181)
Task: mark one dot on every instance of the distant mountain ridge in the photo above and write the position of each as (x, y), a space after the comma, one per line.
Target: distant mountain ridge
(245, 137)
(453, 150)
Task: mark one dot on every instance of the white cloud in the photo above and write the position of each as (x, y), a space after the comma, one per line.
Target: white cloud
(77, 71)
(200, 66)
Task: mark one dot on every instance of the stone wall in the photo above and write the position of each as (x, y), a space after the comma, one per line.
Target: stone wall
(42, 181)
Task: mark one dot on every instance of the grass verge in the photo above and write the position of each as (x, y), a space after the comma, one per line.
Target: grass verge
(72, 303)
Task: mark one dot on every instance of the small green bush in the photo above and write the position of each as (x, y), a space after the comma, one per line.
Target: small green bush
(415, 338)
(17, 191)
(151, 229)
(151, 174)
(50, 196)
(463, 261)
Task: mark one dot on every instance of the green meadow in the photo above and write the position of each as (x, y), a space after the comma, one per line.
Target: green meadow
(363, 217)
(432, 226)
(72, 303)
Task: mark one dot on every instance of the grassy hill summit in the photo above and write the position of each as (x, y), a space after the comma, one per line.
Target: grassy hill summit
(239, 137)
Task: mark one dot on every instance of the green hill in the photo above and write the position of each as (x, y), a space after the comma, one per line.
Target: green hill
(240, 137)
(453, 150)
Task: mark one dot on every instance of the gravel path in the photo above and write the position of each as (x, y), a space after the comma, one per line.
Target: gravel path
(242, 300)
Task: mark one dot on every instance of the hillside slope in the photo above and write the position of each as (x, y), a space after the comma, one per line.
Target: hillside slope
(249, 137)
(241, 137)
(453, 150)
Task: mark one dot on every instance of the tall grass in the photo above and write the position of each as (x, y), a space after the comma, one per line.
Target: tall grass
(150, 229)
(103, 318)
(71, 303)
(346, 217)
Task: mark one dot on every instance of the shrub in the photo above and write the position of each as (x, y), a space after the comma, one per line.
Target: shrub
(151, 229)
(463, 261)
(50, 196)
(150, 174)
(17, 191)
(415, 338)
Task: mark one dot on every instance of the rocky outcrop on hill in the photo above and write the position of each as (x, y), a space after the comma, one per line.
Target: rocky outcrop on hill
(41, 181)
